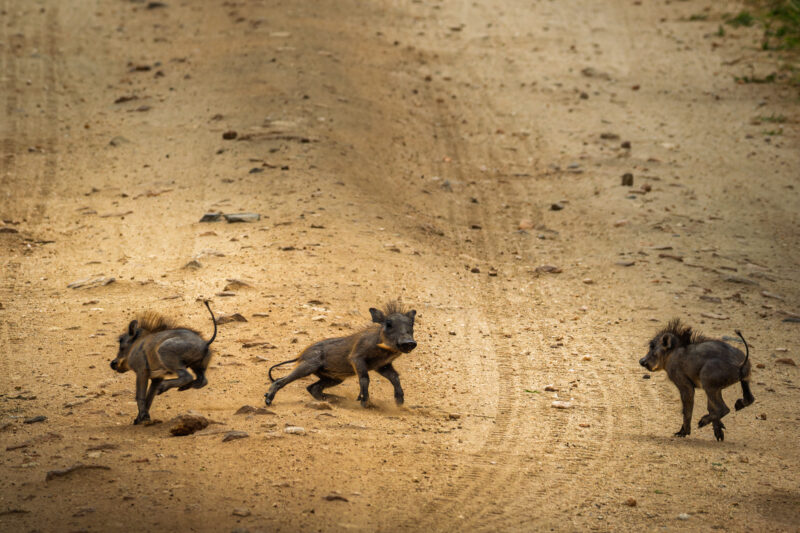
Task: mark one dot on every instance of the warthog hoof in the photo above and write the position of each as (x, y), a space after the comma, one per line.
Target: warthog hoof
(682, 432)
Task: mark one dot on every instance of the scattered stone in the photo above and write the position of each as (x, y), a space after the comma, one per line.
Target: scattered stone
(627, 180)
(646, 376)
(683, 516)
(320, 406)
(783, 360)
(453, 416)
(226, 294)
(234, 284)
(318, 318)
(241, 512)
(103, 447)
(294, 430)
(47, 437)
(89, 283)
(587, 358)
(193, 265)
(13, 511)
(475, 270)
(35, 419)
(229, 135)
(712, 299)
(211, 217)
(620, 223)
(558, 206)
(588, 281)
(558, 404)
(744, 459)
(761, 365)
(259, 344)
(7, 229)
(791, 319)
(626, 145)
(334, 497)
(242, 217)
(118, 141)
(766, 294)
(234, 435)
(608, 136)
(625, 263)
(52, 474)
(250, 410)
(186, 424)
(549, 269)
(526, 224)
(492, 273)
(739, 279)
(83, 511)
(234, 317)
(591, 72)
(630, 502)
(762, 416)
(674, 257)
(715, 316)
(550, 388)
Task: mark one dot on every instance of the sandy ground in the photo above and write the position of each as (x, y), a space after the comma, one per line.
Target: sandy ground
(395, 149)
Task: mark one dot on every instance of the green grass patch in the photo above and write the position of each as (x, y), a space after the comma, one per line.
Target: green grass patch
(781, 25)
(770, 78)
(774, 119)
(744, 18)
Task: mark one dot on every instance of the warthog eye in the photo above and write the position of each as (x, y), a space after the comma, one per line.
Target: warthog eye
(388, 324)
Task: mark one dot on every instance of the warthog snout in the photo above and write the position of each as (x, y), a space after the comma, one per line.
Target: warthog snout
(406, 345)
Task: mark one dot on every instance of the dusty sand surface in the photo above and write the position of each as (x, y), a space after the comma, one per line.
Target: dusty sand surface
(408, 149)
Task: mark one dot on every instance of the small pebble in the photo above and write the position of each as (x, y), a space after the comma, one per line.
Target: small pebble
(234, 435)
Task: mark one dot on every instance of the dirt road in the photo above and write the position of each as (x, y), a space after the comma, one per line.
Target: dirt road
(442, 152)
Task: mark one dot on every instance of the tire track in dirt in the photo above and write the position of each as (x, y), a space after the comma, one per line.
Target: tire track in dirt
(514, 435)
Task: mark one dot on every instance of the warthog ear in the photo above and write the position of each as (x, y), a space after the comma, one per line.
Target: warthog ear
(411, 314)
(377, 315)
(132, 327)
(666, 340)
